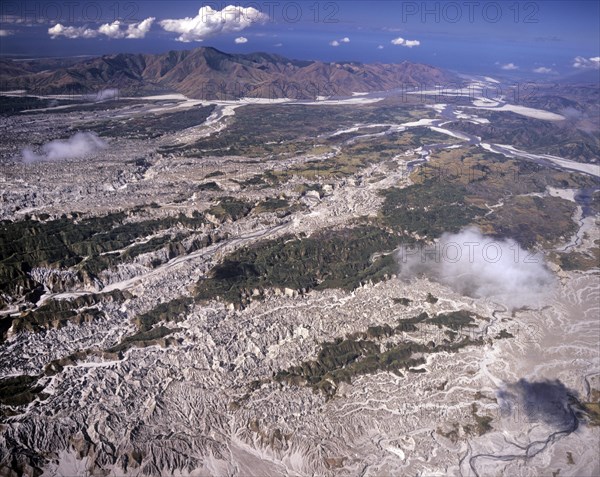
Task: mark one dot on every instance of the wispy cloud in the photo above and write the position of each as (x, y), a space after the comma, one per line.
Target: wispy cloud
(586, 63)
(509, 67)
(116, 29)
(548, 38)
(24, 19)
(210, 22)
(407, 43)
(543, 70)
(103, 95)
(340, 41)
(79, 145)
(480, 266)
(6, 32)
(380, 47)
(131, 31)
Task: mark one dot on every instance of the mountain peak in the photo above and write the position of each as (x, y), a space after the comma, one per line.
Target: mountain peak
(208, 73)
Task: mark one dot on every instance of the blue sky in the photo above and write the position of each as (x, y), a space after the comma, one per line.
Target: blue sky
(504, 37)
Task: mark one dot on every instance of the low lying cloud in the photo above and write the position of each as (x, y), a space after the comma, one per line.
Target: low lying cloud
(509, 67)
(6, 32)
(571, 113)
(407, 43)
(481, 267)
(103, 95)
(210, 22)
(543, 70)
(79, 145)
(586, 63)
(116, 29)
(241, 40)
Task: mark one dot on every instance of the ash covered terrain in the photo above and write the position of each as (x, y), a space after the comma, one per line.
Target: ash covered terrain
(399, 283)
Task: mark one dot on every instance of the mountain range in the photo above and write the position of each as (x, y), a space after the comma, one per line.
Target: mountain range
(207, 73)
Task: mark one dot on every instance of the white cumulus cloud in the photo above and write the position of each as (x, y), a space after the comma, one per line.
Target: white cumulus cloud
(210, 22)
(509, 67)
(586, 63)
(71, 32)
(480, 266)
(78, 145)
(241, 39)
(543, 70)
(116, 29)
(112, 30)
(407, 43)
(340, 41)
(131, 31)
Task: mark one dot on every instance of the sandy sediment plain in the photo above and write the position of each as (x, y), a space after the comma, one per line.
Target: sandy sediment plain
(359, 369)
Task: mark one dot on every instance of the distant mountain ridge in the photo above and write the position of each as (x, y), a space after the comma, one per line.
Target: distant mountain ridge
(207, 73)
